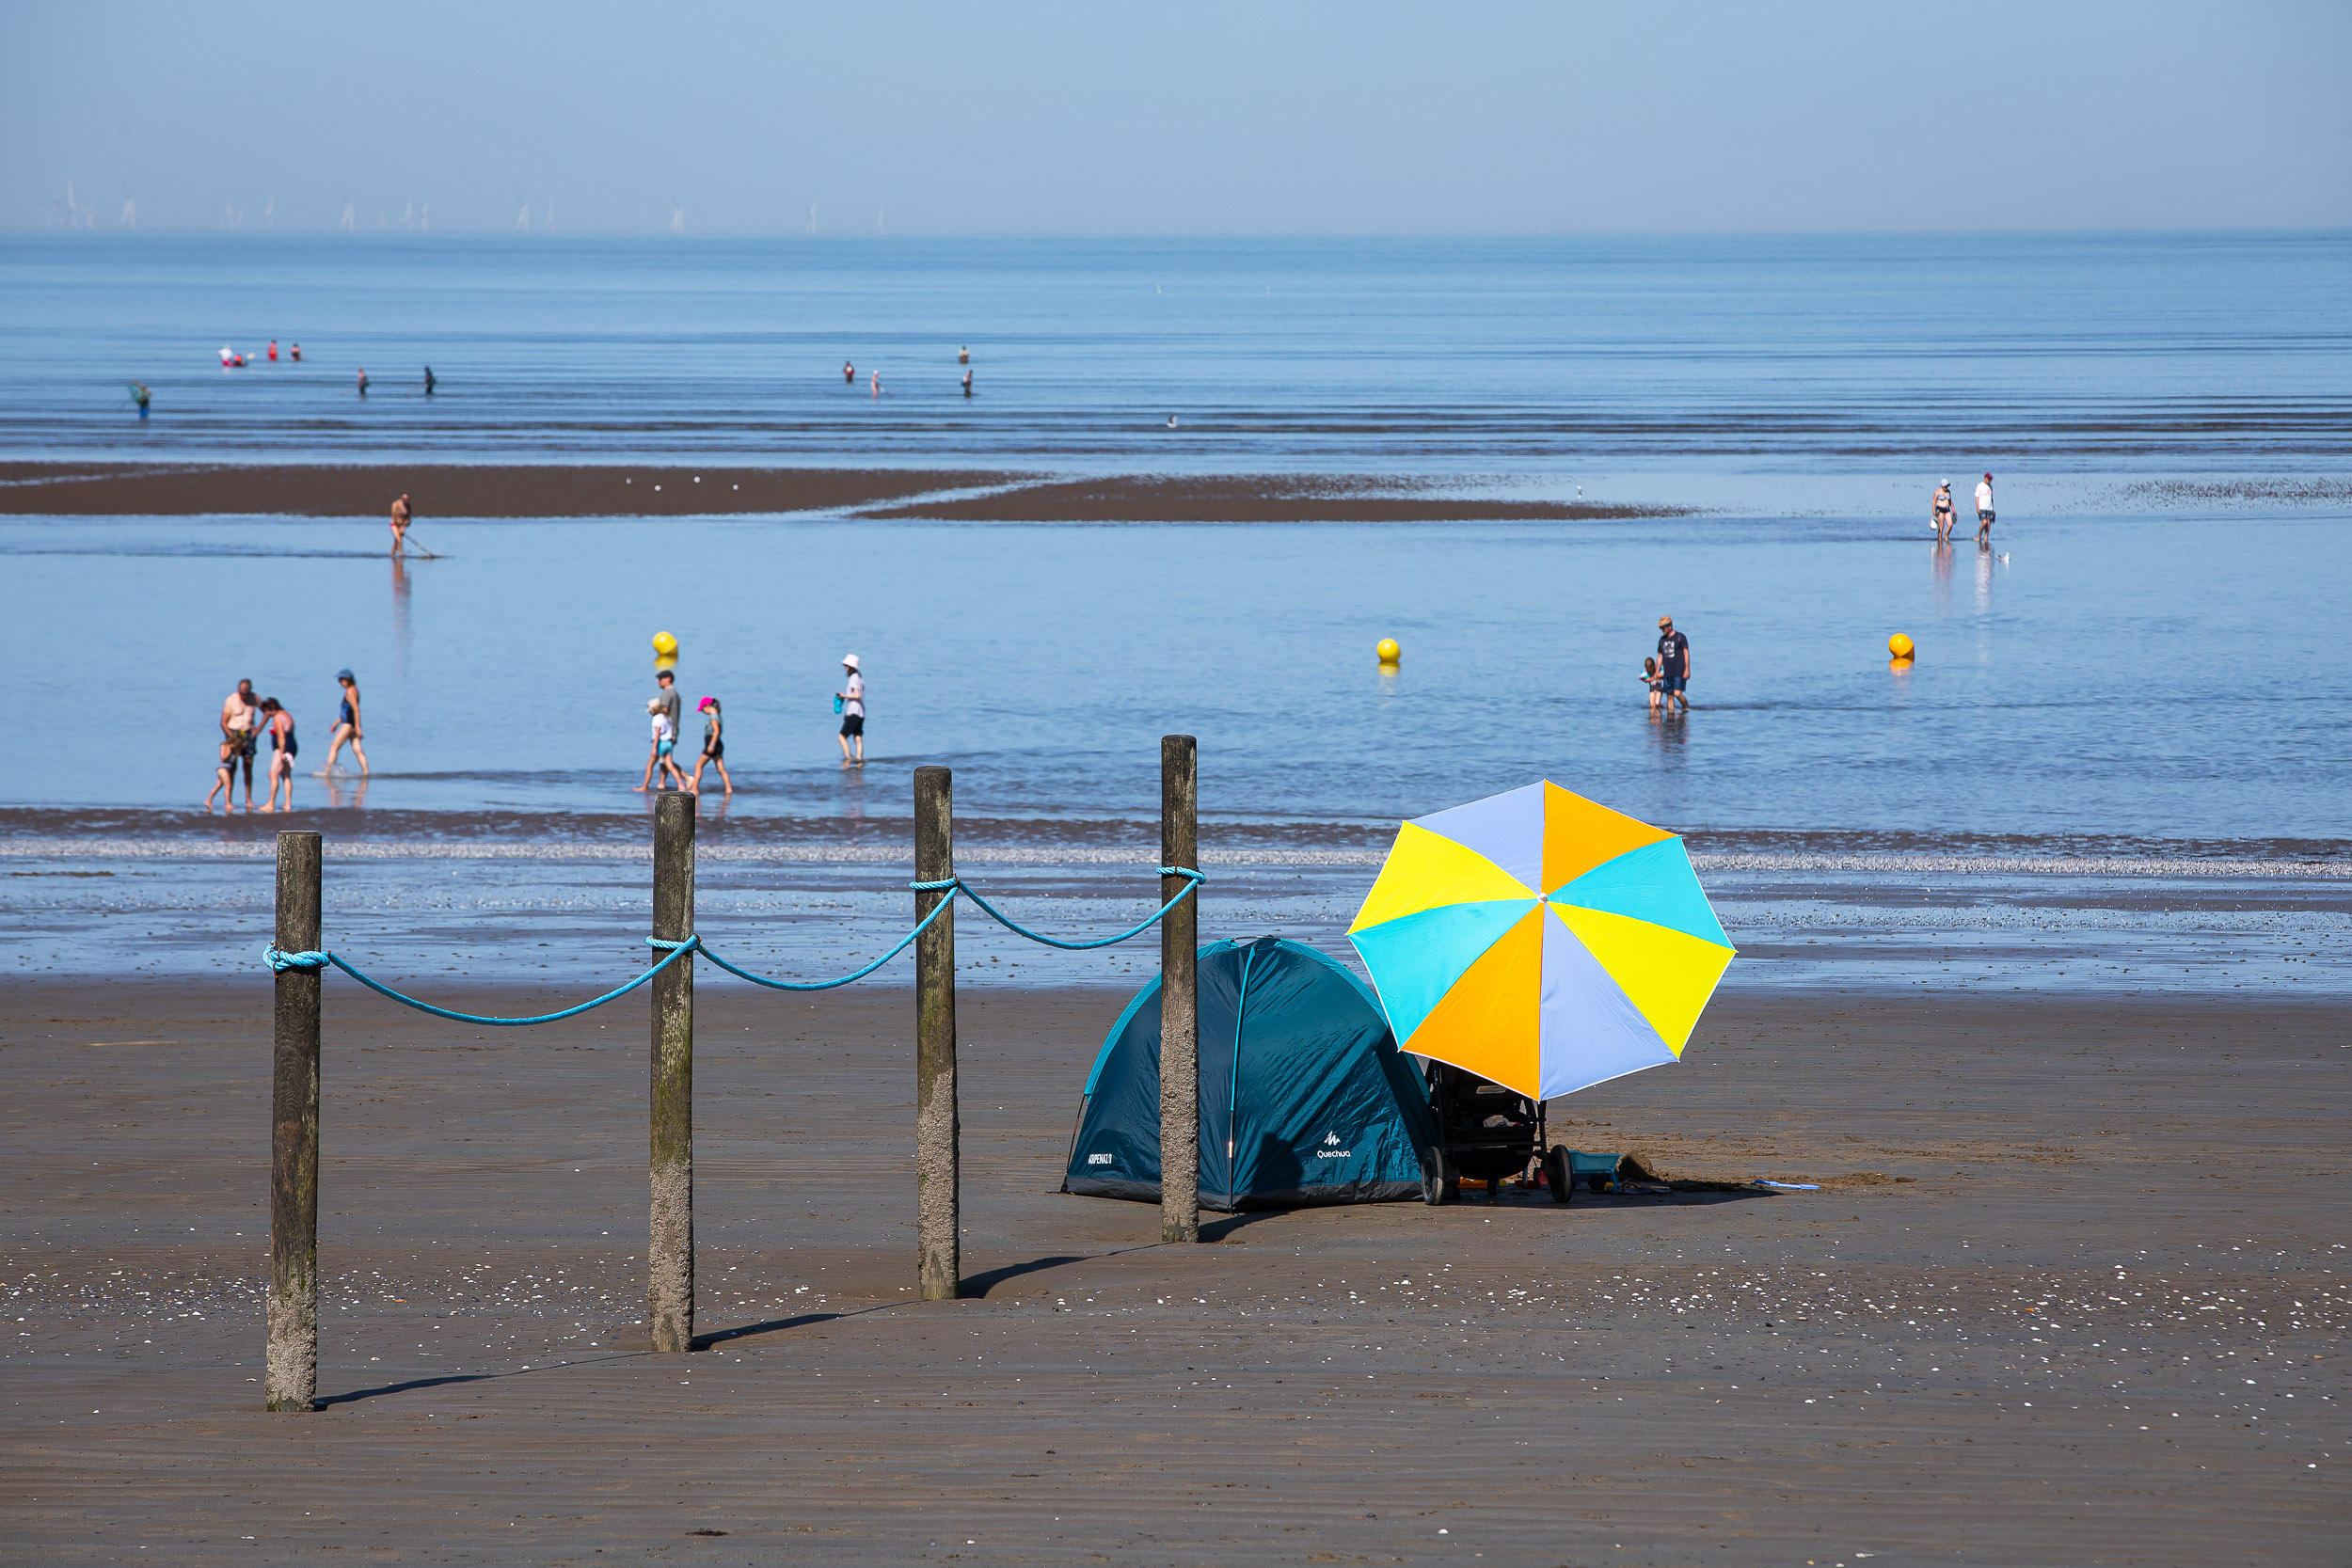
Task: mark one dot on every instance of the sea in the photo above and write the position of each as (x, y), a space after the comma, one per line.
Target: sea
(2128, 715)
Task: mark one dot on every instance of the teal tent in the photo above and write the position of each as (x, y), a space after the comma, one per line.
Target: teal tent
(1304, 1097)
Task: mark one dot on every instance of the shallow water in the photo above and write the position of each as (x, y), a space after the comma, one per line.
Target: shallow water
(2172, 677)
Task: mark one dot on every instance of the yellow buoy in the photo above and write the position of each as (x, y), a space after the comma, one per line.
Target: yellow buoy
(664, 644)
(1387, 650)
(1899, 645)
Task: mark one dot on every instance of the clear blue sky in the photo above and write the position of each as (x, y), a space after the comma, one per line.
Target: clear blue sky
(1182, 118)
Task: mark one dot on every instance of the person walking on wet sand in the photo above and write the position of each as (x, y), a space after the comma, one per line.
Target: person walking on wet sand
(1674, 664)
(1943, 509)
(672, 704)
(346, 724)
(1984, 512)
(400, 524)
(852, 700)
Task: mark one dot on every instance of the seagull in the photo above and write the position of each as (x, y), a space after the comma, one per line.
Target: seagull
(1171, 421)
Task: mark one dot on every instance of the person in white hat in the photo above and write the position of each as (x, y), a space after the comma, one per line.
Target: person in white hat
(853, 696)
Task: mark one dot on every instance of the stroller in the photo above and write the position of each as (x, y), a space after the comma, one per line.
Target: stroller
(1487, 1132)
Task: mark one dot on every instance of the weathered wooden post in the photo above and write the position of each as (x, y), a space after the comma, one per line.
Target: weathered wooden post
(1180, 1006)
(291, 1370)
(670, 1247)
(938, 1133)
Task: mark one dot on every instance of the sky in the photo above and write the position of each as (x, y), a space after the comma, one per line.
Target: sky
(1192, 118)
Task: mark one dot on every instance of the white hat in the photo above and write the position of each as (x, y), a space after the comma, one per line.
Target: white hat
(850, 660)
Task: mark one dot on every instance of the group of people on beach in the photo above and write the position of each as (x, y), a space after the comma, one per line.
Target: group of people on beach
(1942, 508)
(664, 710)
(246, 719)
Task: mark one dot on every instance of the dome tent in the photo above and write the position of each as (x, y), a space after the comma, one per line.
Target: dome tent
(1304, 1097)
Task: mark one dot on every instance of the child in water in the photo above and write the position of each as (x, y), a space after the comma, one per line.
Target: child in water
(664, 744)
(714, 746)
(1649, 678)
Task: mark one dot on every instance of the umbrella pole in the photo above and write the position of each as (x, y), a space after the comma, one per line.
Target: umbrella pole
(938, 1175)
(1180, 1009)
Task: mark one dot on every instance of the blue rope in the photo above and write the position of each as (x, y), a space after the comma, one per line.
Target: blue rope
(318, 960)
(1009, 923)
(828, 985)
(281, 961)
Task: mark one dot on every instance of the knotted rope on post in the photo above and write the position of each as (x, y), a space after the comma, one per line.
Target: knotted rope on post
(952, 886)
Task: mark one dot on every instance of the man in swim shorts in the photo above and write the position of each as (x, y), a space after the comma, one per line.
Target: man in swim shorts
(852, 696)
(1984, 510)
(1673, 665)
(240, 727)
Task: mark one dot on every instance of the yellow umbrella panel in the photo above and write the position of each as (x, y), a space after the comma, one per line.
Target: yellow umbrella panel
(1540, 940)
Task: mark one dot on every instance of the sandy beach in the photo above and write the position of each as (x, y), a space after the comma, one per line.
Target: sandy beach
(613, 490)
(2069, 1289)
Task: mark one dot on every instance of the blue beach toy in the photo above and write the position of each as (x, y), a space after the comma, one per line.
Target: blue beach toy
(838, 704)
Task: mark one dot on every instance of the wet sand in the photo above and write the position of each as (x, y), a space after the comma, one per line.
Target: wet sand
(1247, 499)
(465, 490)
(455, 490)
(2071, 1292)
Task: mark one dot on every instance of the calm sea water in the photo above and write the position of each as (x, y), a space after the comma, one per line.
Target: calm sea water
(2155, 647)
(1569, 359)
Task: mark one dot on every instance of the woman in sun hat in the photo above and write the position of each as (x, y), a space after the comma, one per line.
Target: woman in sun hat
(851, 699)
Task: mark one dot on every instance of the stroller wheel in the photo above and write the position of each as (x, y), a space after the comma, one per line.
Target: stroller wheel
(1556, 1174)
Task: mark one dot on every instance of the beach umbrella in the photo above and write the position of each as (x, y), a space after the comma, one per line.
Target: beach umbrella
(1540, 940)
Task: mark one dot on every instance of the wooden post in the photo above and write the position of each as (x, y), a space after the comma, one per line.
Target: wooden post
(669, 1246)
(1179, 1003)
(938, 1135)
(291, 1370)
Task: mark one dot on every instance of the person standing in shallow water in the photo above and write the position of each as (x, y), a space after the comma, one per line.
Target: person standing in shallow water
(1673, 665)
(400, 524)
(279, 725)
(1942, 507)
(852, 697)
(363, 381)
(1984, 512)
